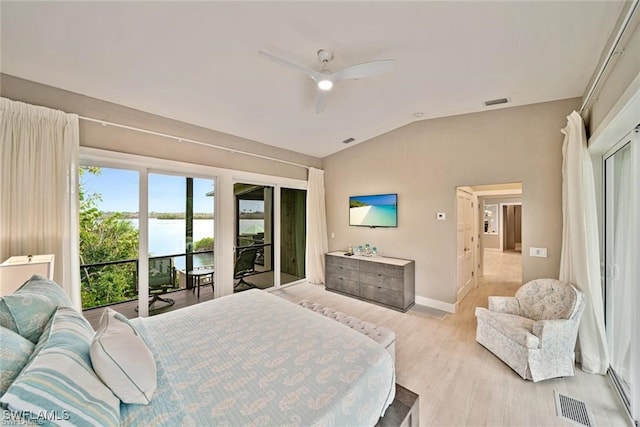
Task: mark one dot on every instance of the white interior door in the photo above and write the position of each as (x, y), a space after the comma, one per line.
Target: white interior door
(464, 221)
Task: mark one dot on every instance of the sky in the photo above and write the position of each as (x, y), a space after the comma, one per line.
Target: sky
(379, 199)
(119, 191)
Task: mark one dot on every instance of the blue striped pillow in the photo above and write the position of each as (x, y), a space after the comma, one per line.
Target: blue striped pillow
(58, 386)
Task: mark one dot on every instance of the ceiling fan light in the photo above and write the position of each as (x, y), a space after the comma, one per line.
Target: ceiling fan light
(325, 84)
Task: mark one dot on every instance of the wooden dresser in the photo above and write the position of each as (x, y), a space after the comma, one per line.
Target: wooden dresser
(386, 281)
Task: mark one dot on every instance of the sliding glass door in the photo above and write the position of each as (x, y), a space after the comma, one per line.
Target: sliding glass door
(181, 238)
(162, 213)
(254, 232)
(620, 257)
(108, 236)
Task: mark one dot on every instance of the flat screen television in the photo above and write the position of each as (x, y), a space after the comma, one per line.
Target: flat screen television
(376, 210)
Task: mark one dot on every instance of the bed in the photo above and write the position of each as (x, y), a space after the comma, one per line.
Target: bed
(253, 358)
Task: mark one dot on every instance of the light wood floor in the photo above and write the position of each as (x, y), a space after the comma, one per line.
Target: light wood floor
(460, 383)
(502, 267)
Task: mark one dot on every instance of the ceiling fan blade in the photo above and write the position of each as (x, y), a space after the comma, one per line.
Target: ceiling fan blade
(364, 70)
(315, 75)
(321, 101)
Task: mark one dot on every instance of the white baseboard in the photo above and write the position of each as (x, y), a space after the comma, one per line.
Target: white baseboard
(434, 303)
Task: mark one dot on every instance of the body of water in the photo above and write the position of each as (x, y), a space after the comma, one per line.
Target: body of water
(166, 237)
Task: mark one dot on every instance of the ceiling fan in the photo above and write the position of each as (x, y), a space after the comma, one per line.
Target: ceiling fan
(325, 79)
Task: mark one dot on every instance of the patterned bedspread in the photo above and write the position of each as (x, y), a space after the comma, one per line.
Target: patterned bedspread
(255, 359)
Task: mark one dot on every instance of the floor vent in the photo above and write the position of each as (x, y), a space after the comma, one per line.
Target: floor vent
(572, 410)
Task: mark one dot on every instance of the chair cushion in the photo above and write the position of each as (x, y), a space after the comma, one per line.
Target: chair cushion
(14, 354)
(59, 380)
(28, 309)
(122, 359)
(547, 299)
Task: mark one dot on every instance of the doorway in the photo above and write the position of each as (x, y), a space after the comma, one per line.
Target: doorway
(500, 232)
(511, 227)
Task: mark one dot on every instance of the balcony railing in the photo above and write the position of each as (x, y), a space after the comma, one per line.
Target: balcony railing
(111, 282)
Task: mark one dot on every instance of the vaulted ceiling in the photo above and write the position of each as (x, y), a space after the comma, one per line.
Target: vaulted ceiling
(198, 62)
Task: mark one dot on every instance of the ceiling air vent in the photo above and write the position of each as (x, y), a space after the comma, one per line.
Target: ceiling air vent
(348, 140)
(496, 102)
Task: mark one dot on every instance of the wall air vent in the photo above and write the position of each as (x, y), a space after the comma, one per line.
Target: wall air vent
(348, 140)
(496, 102)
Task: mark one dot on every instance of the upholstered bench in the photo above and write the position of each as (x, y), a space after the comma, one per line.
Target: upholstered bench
(383, 336)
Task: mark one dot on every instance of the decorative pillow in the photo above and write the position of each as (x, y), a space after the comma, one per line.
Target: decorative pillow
(28, 309)
(14, 354)
(122, 359)
(48, 288)
(58, 385)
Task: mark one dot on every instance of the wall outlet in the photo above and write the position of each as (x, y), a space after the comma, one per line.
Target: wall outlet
(538, 252)
(333, 235)
(441, 216)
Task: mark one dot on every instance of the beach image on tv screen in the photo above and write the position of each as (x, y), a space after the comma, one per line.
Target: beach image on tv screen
(374, 211)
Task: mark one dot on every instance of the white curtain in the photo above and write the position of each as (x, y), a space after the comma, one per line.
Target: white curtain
(580, 257)
(317, 244)
(38, 188)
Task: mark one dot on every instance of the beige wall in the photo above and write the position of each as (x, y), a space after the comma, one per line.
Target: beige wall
(621, 72)
(425, 161)
(126, 141)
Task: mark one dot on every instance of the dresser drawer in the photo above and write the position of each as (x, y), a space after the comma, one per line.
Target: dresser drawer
(341, 262)
(382, 295)
(383, 269)
(379, 280)
(340, 271)
(347, 286)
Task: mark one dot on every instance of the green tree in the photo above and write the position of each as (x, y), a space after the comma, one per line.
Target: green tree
(105, 238)
(204, 244)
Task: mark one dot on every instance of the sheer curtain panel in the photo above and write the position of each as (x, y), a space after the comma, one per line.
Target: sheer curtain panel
(38, 188)
(580, 256)
(317, 244)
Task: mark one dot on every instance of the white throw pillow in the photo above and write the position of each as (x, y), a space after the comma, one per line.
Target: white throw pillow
(122, 359)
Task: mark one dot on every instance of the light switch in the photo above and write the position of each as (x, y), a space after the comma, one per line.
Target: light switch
(333, 235)
(441, 216)
(538, 252)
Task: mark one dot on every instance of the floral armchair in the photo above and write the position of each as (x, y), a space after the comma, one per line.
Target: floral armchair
(535, 331)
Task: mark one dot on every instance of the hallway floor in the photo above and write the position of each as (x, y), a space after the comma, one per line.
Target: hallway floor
(502, 267)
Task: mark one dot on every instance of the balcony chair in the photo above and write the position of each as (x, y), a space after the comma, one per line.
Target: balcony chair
(162, 278)
(535, 331)
(245, 266)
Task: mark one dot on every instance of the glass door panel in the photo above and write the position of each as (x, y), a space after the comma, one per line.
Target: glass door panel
(181, 240)
(619, 260)
(108, 239)
(293, 217)
(254, 236)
